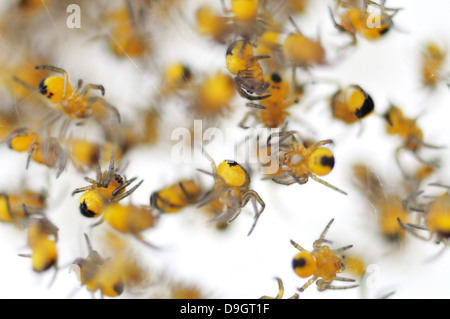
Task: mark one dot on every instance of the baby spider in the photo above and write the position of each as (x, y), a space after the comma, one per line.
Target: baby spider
(386, 198)
(298, 161)
(232, 189)
(42, 239)
(357, 20)
(130, 219)
(248, 19)
(212, 24)
(351, 104)
(436, 217)
(409, 131)
(127, 36)
(323, 262)
(280, 291)
(100, 274)
(47, 151)
(301, 51)
(176, 77)
(433, 60)
(272, 111)
(212, 97)
(74, 103)
(175, 197)
(249, 77)
(109, 187)
(11, 206)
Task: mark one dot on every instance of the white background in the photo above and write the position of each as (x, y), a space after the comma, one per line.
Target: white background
(230, 264)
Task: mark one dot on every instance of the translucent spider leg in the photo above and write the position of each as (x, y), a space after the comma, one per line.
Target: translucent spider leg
(244, 120)
(339, 250)
(319, 241)
(308, 283)
(75, 92)
(321, 285)
(300, 248)
(83, 189)
(215, 174)
(123, 186)
(409, 228)
(110, 170)
(212, 195)
(91, 86)
(280, 291)
(339, 27)
(321, 143)
(97, 99)
(255, 198)
(317, 179)
(282, 136)
(139, 238)
(90, 180)
(416, 155)
(24, 84)
(97, 223)
(127, 193)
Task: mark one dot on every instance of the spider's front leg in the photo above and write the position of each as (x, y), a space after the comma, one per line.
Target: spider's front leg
(254, 196)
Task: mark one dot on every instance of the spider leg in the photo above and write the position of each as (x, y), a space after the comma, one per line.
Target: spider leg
(75, 92)
(340, 249)
(83, 189)
(280, 290)
(251, 194)
(321, 143)
(217, 179)
(336, 25)
(47, 126)
(317, 179)
(99, 177)
(126, 194)
(244, 120)
(344, 279)
(297, 246)
(256, 106)
(308, 283)
(227, 214)
(97, 223)
(409, 229)
(323, 286)
(439, 254)
(110, 170)
(33, 148)
(406, 201)
(279, 180)
(112, 108)
(210, 196)
(90, 180)
(63, 130)
(146, 243)
(242, 82)
(241, 90)
(205, 172)
(91, 86)
(53, 145)
(295, 25)
(319, 241)
(123, 186)
(24, 84)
